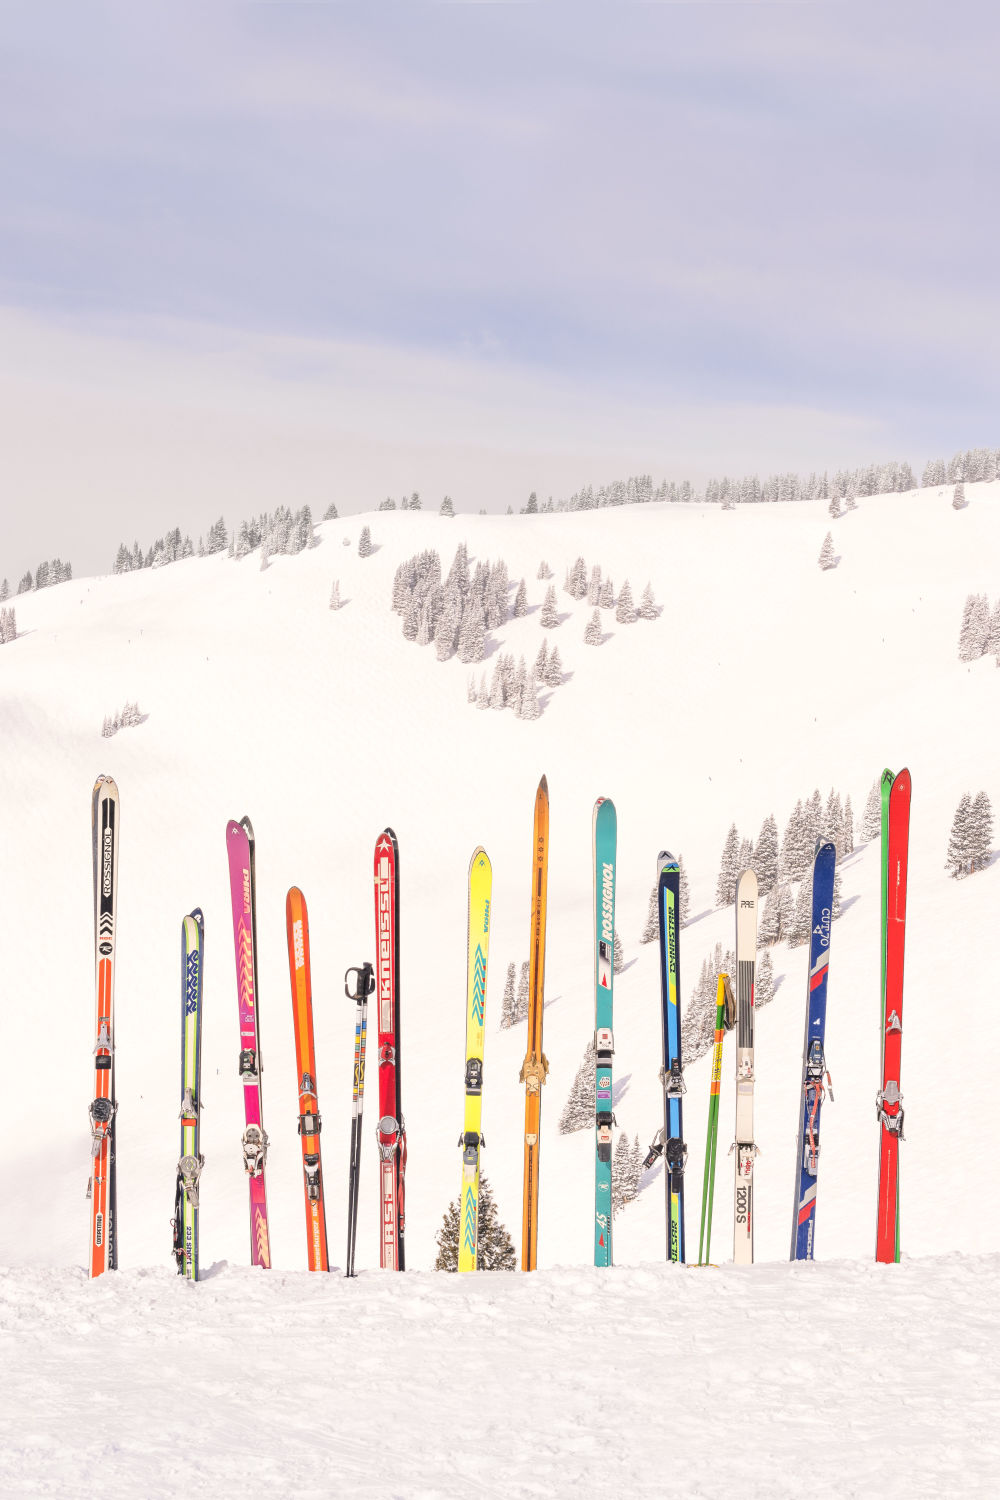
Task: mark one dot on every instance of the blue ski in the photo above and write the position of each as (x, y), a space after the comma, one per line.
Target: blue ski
(605, 847)
(814, 1069)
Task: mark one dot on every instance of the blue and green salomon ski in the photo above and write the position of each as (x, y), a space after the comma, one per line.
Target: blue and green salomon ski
(605, 850)
(669, 1142)
(814, 1070)
(191, 1160)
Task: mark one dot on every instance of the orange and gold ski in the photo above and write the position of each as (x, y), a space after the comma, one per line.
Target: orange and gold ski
(535, 1065)
(297, 925)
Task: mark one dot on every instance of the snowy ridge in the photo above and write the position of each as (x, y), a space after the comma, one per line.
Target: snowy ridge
(326, 725)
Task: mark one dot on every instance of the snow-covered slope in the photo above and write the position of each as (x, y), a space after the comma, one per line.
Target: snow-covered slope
(762, 678)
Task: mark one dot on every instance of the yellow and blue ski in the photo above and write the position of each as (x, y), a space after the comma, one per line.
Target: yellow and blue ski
(471, 1140)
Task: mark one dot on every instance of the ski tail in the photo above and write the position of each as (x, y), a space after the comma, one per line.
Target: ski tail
(535, 1066)
(815, 1075)
(471, 1141)
(605, 846)
(310, 1120)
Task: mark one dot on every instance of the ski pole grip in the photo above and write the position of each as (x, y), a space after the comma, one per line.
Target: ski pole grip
(364, 982)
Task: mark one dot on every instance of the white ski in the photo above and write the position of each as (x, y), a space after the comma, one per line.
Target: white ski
(746, 1150)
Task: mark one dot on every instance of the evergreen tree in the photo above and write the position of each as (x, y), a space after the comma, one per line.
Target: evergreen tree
(651, 931)
(958, 861)
(684, 906)
(334, 593)
(495, 1248)
(521, 601)
(523, 992)
(4, 590)
(975, 629)
(581, 1104)
(648, 608)
(607, 600)
(981, 831)
(483, 700)
(765, 855)
(447, 508)
(801, 925)
(508, 1007)
(365, 542)
(827, 558)
(834, 507)
(593, 635)
(330, 514)
(763, 985)
(725, 888)
(623, 1185)
(529, 706)
(544, 571)
(498, 697)
(871, 818)
(549, 616)
(8, 625)
(626, 613)
(833, 821)
(531, 509)
(554, 672)
(594, 586)
(847, 828)
(958, 499)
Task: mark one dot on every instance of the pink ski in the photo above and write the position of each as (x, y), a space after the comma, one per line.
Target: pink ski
(240, 842)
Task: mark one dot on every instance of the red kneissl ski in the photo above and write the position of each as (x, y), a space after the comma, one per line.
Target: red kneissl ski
(390, 1131)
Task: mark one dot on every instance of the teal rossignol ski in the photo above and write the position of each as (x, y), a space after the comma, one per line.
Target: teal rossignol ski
(605, 849)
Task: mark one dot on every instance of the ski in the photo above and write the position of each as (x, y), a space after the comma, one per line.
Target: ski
(745, 1146)
(390, 1131)
(725, 1020)
(605, 842)
(814, 1069)
(242, 887)
(471, 1140)
(310, 1121)
(185, 1222)
(103, 1187)
(669, 1140)
(535, 1065)
(363, 986)
(889, 1101)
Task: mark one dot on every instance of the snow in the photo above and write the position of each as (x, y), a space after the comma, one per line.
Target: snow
(325, 726)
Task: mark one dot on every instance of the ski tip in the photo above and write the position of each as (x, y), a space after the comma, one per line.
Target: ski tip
(543, 787)
(888, 777)
(198, 916)
(293, 899)
(247, 826)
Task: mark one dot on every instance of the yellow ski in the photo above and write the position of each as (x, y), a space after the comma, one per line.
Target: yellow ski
(480, 896)
(535, 1065)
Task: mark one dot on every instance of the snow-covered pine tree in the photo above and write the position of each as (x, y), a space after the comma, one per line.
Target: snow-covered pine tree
(648, 607)
(827, 557)
(593, 634)
(793, 846)
(837, 895)
(763, 984)
(607, 599)
(330, 514)
(544, 571)
(765, 855)
(626, 613)
(523, 993)
(594, 586)
(470, 691)
(959, 840)
(651, 931)
(801, 924)
(685, 891)
(621, 1175)
(542, 661)
(871, 818)
(521, 601)
(549, 616)
(834, 507)
(832, 827)
(483, 697)
(554, 671)
(725, 887)
(975, 630)
(334, 592)
(495, 1248)
(365, 542)
(980, 831)
(447, 507)
(508, 1006)
(958, 499)
(498, 694)
(847, 828)
(578, 1111)
(529, 707)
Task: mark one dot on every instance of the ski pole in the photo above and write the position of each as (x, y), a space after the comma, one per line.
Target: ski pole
(364, 984)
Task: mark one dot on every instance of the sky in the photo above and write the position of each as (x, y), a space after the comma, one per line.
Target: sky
(284, 253)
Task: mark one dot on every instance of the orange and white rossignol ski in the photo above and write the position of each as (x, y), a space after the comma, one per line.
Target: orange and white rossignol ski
(103, 1188)
(310, 1123)
(390, 1131)
(535, 1065)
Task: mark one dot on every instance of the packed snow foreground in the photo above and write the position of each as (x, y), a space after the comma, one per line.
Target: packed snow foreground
(754, 685)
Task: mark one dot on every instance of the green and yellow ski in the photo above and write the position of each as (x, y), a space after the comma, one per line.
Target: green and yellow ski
(471, 1140)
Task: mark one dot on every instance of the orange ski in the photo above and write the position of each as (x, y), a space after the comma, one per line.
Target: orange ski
(102, 1190)
(310, 1124)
